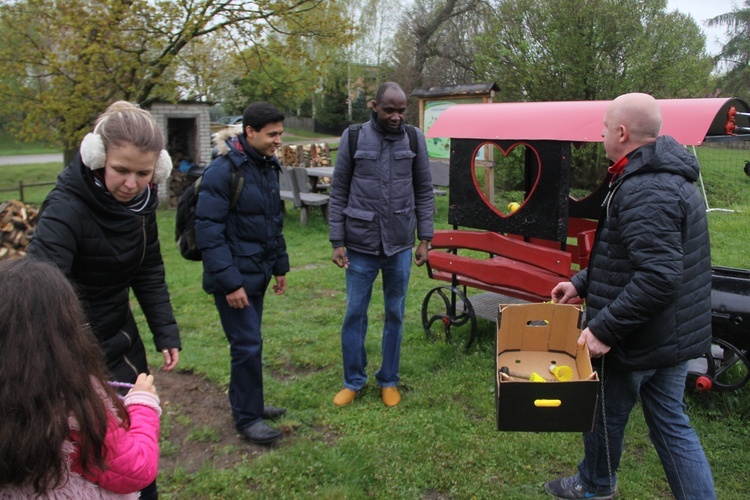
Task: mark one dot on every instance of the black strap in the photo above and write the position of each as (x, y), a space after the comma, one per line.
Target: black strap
(238, 181)
(353, 138)
(412, 133)
(235, 191)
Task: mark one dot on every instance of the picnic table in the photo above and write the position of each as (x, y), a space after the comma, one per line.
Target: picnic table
(314, 175)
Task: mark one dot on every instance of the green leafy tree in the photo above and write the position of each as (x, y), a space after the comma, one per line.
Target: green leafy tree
(734, 58)
(563, 50)
(539, 50)
(265, 73)
(63, 62)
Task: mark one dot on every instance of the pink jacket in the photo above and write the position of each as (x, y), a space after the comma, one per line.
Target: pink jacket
(132, 454)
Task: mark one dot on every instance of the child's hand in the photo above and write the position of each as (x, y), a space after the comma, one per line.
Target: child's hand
(145, 383)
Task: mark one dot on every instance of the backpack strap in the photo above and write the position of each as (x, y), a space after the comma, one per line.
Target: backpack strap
(412, 133)
(235, 191)
(238, 181)
(353, 138)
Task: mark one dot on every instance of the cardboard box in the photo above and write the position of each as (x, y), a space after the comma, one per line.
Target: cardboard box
(530, 339)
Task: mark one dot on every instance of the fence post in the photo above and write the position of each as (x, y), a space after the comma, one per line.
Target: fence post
(20, 190)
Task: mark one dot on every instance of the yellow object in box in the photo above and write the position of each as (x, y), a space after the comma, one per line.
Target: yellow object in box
(534, 338)
(535, 377)
(562, 373)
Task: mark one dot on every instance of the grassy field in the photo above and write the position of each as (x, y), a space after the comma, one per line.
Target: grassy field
(11, 146)
(441, 441)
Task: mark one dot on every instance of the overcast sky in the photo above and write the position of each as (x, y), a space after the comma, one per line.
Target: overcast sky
(706, 9)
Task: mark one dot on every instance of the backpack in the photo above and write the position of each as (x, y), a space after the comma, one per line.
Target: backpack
(354, 136)
(185, 219)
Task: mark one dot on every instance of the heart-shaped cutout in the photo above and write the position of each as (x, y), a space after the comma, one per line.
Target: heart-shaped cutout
(501, 176)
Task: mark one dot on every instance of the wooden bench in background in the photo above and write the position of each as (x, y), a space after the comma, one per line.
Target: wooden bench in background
(440, 172)
(296, 188)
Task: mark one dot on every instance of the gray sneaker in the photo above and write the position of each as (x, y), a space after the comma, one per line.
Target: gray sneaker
(573, 487)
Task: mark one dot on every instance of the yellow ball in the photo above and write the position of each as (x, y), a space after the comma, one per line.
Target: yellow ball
(513, 206)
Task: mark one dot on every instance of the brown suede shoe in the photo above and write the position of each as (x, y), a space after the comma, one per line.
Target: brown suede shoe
(390, 396)
(344, 397)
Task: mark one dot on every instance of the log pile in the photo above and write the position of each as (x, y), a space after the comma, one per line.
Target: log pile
(291, 155)
(306, 155)
(319, 155)
(17, 223)
(178, 183)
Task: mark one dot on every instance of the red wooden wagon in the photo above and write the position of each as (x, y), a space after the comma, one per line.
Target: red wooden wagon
(520, 255)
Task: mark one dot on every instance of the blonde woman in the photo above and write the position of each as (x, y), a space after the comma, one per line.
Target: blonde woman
(98, 225)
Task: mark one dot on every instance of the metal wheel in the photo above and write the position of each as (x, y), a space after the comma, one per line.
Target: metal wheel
(445, 307)
(726, 367)
(731, 366)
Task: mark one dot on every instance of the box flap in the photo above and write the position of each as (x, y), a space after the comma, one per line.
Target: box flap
(539, 327)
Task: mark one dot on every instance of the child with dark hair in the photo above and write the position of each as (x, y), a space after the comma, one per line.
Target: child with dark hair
(65, 433)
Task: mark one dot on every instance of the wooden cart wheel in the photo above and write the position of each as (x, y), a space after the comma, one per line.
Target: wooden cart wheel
(444, 308)
(731, 366)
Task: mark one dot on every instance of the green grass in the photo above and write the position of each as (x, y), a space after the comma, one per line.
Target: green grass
(293, 134)
(441, 441)
(9, 145)
(11, 175)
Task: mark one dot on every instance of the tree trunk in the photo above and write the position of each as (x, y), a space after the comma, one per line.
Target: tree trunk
(68, 156)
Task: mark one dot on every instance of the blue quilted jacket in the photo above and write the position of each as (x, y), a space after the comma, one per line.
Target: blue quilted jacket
(244, 245)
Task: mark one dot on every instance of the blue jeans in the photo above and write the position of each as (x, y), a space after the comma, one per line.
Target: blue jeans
(360, 276)
(242, 329)
(675, 440)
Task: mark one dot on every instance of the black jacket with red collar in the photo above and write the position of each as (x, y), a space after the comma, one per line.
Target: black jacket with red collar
(648, 282)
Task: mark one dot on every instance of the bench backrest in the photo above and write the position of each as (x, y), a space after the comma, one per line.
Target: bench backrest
(285, 179)
(300, 177)
(440, 172)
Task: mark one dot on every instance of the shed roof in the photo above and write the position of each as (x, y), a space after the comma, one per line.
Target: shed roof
(689, 121)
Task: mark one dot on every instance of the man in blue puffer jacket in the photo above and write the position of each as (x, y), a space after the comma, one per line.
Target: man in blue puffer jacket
(648, 290)
(378, 199)
(243, 247)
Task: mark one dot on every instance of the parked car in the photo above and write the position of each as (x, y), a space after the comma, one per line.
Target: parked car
(226, 121)
(230, 120)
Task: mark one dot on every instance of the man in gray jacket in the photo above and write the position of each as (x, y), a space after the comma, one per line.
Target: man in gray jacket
(379, 196)
(648, 290)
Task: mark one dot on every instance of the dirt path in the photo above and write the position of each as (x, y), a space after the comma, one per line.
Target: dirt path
(197, 425)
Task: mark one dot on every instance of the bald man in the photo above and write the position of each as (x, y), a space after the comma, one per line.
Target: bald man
(648, 291)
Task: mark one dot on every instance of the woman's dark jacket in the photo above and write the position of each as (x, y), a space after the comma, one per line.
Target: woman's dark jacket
(106, 249)
(649, 278)
(241, 246)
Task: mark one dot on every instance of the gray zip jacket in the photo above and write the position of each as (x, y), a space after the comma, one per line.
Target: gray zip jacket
(377, 203)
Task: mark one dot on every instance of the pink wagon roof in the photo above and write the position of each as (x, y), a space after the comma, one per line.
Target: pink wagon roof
(689, 121)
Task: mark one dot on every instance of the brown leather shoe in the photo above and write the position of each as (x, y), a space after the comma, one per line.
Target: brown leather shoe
(390, 396)
(344, 397)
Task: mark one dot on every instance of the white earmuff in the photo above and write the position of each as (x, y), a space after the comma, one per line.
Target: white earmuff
(93, 153)
(94, 156)
(163, 167)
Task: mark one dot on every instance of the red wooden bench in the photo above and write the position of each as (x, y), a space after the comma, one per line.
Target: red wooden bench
(506, 266)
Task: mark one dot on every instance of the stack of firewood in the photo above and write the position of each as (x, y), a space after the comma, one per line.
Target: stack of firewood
(178, 183)
(17, 223)
(317, 155)
(291, 155)
(306, 155)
